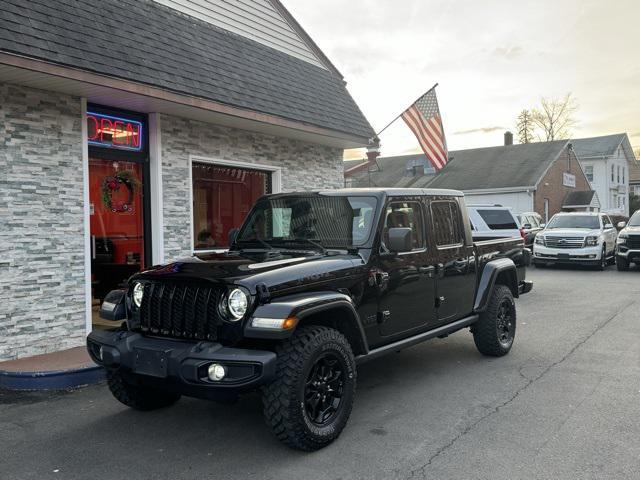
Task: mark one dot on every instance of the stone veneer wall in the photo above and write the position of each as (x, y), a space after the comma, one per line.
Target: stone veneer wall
(304, 166)
(42, 302)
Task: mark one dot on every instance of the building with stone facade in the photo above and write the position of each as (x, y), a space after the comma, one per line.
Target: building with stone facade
(133, 133)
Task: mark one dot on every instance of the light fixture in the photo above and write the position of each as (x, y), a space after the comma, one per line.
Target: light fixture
(138, 292)
(237, 304)
(216, 372)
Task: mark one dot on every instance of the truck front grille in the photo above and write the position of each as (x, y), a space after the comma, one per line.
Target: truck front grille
(633, 242)
(564, 242)
(180, 310)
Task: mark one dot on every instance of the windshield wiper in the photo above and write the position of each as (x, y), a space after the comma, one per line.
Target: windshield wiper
(311, 242)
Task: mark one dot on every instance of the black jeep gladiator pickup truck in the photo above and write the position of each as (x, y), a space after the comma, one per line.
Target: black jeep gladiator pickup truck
(312, 285)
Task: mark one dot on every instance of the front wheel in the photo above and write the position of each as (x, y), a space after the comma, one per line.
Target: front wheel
(622, 264)
(602, 265)
(495, 331)
(309, 402)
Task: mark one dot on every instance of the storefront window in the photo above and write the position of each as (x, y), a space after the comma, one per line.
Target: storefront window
(222, 198)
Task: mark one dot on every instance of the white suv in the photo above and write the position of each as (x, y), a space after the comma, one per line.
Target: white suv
(489, 222)
(585, 238)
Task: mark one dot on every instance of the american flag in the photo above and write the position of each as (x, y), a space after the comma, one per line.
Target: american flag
(423, 118)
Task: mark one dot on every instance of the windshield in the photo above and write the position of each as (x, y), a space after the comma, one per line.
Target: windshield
(634, 221)
(314, 221)
(575, 221)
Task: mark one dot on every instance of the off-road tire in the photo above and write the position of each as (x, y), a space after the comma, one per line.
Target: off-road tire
(539, 265)
(138, 397)
(485, 330)
(622, 264)
(284, 398)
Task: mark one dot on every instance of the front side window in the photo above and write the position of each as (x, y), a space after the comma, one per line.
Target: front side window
(447, 223)
(316, 221)
(498, 219)
(405, 214)
(591, 222)
(634, 221)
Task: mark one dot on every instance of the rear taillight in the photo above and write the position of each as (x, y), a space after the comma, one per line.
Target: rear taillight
(522, 234)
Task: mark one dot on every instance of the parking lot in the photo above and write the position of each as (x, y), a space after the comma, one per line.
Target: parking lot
(564, 403)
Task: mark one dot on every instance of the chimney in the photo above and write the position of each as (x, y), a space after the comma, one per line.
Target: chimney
(373, 152)
(508, 138)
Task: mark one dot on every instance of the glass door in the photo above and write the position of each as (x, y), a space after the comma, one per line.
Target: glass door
(117, 226)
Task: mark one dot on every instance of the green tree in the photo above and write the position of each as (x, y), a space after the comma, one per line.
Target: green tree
(525, 127)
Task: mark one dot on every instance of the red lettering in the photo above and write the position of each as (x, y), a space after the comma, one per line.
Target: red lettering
(106, 127)
(120, 136)
(134, 135)
(92, 127)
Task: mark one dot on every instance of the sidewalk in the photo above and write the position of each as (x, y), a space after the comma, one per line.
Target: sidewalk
(52, 371)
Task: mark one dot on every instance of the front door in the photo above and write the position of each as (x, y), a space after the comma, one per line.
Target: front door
(407, 288)
(118, 170)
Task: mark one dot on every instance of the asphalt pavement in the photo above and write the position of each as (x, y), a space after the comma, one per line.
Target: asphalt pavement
(564, 404)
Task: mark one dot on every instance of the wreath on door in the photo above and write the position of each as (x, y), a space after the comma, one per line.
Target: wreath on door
(112, 184)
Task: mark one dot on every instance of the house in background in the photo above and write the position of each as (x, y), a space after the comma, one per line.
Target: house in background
(529, 177)
(134, 133)
(608, 162)
(634, 178)
(404, 171)
(583, 201)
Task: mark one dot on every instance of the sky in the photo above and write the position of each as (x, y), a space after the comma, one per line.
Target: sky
(491, 60)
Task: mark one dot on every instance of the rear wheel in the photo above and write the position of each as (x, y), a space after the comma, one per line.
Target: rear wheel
(138, 397)
(309, 402)
(622, 264)
(495, 331)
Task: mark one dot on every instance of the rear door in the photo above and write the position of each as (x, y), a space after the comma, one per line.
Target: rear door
(407, 289)
(455, 280)
(610, 234)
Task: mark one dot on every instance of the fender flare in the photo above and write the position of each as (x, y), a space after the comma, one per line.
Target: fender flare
(487, 282)
(302, 306)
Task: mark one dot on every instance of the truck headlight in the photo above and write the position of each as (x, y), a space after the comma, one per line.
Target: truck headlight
(591, 241)
(622, 239)
(237, 304)
(138, 292)
(539, 240)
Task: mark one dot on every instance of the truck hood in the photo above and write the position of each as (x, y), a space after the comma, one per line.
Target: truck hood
(631, 230)
(570, 232)
(284, 271)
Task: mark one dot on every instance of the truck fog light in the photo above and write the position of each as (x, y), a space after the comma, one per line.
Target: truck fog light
(216, 372)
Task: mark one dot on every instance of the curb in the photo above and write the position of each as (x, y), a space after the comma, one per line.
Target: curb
(52, 380)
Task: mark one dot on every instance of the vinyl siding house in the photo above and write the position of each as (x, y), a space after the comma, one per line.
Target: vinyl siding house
(134, 133)
(608, 162)
(534, 177)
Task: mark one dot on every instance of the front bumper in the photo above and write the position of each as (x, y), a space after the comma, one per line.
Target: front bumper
(584, 256)
(631, 255)
(180, 366)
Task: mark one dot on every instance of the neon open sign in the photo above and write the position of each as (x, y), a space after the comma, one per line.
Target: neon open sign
(114, 132)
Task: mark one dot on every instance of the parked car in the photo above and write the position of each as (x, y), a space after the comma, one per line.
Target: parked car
(493, 221)
(628, 244)
(312, 285)
(531, 223)
(585, 238)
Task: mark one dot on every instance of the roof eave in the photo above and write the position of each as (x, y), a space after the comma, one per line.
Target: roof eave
(343, 139)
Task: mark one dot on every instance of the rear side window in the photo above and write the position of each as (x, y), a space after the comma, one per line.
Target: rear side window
(447, 223)
(498, 219)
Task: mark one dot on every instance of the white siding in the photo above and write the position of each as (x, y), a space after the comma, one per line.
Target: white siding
(518, 202)
(254, 19)
(613, 193)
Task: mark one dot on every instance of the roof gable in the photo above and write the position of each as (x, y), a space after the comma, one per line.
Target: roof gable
(597, 146)
(158, 46)
(511, 166)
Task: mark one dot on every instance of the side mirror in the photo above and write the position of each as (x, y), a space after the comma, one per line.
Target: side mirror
(400, 239)
(527, 226)
(233, 234)
(621, 225)
(113, 307)
(608, 226)
(542, 225)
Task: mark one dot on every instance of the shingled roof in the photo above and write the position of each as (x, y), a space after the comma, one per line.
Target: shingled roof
(598, 146)
(392, 172)
(509, 166)
(151, 44)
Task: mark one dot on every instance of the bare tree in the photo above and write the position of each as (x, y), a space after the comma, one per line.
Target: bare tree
(555, 118)
(525, 127)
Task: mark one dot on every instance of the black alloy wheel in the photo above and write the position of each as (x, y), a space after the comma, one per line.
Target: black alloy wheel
(504, 322)
(324, 389)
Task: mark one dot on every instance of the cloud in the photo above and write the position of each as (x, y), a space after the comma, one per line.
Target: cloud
(508, 53)
(480, 130)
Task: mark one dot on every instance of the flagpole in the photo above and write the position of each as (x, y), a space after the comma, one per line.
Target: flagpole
(399, 115)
